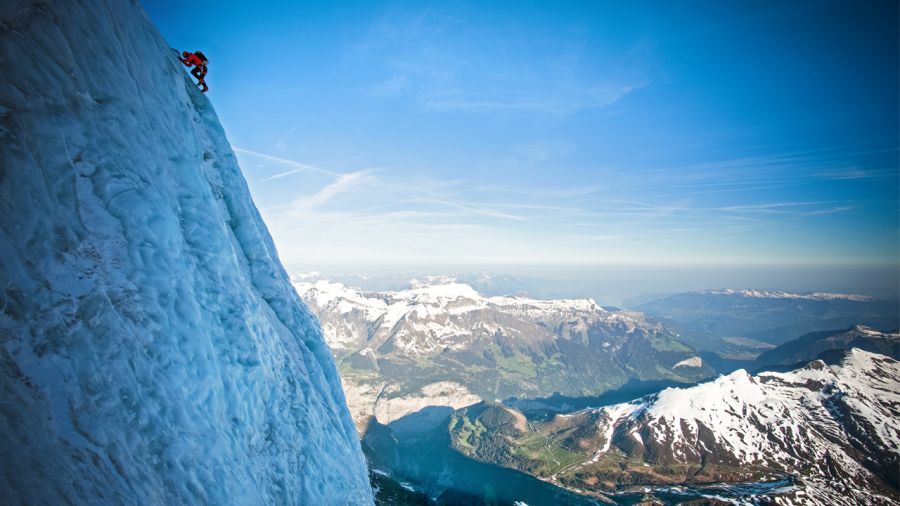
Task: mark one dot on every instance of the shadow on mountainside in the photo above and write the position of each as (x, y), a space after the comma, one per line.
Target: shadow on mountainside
(424, 420)
(543, 407)
(424, 460)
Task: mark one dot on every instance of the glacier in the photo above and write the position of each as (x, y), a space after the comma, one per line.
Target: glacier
(153, 349)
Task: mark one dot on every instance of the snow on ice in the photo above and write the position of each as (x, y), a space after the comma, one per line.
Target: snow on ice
(153, 349)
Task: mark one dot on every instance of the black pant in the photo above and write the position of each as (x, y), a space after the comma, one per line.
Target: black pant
(199, 73)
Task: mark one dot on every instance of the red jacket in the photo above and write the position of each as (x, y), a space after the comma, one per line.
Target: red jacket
(190, 59)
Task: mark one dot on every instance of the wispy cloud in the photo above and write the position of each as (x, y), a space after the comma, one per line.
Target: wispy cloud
(281, 144)
(398, 192)
(474, 209)
(626, 216)
(830, 210)
(284, 174)
(298, 167)
(770, 207)
(857, 173)
(539, 193)
(344, 183)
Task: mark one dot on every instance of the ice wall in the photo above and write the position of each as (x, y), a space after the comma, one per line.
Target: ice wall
(153, 350)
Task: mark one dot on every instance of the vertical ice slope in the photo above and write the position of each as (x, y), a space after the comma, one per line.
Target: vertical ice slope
(152, 350)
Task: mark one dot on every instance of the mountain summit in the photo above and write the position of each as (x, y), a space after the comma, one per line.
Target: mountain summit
(441, 343)
(153, 350)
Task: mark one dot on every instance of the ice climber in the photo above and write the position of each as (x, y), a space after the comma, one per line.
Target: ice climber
(198, 61)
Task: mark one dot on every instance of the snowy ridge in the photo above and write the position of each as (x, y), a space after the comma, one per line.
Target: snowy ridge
(841, 419)
(874, 333)
(427, 307)
(153, 350)
(764, 294)
(430, 296)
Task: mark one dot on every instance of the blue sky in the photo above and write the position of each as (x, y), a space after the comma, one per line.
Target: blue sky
(563, 133)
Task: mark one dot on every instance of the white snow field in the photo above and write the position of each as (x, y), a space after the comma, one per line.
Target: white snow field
(152, 349)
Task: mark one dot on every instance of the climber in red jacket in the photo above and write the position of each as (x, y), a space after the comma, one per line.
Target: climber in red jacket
(198, 61)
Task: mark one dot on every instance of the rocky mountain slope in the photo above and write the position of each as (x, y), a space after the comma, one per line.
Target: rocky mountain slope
(441, 343)
(832, 432)
(152, 349)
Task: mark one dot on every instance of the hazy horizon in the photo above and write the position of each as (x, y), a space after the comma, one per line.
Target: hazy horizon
(615, 285)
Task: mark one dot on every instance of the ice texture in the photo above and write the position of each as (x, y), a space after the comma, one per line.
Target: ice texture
(152, 349)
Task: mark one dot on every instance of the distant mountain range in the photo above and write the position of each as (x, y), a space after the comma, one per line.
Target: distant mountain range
(821, 434)
(500, 371)
(819, 344)
(441, 343)
(741, 324)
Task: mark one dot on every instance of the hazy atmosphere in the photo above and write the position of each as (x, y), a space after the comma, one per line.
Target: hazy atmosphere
(629, 285)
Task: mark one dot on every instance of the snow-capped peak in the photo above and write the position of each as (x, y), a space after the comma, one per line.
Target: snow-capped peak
(426, 313)
(870, 332)
(814, 418)
(766, 294)
(704, 402)
(439, 292)
(440, 289)
(306, 276)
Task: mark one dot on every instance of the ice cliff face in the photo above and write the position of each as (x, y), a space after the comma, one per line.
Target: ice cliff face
(152, 349)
